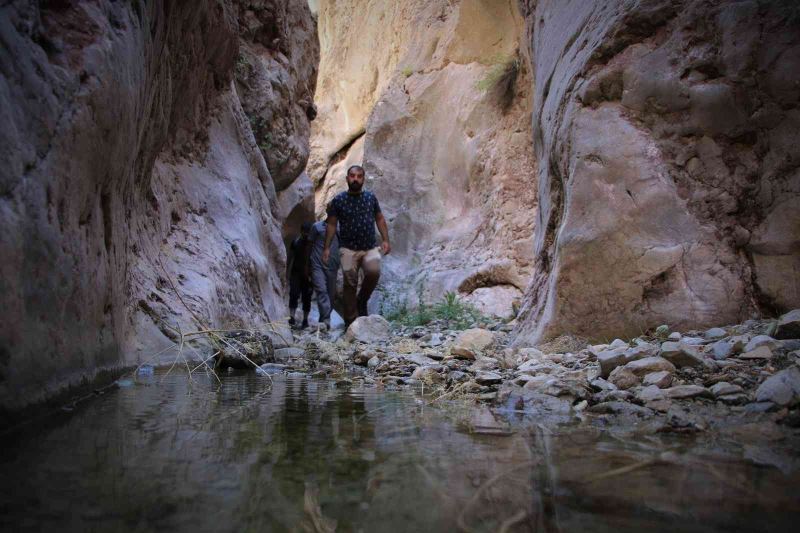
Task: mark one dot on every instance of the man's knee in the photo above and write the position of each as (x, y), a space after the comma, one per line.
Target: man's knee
(372, 264)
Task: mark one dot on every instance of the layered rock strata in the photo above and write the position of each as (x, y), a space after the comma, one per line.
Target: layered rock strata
(668, 168)
(142, 148)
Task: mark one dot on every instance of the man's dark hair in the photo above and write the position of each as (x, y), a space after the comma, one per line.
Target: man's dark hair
(306, 227)
(359, 167)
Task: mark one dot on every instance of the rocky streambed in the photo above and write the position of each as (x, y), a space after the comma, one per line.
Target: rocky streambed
(740, 382)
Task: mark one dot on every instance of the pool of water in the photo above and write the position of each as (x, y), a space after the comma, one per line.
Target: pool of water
(295, 453)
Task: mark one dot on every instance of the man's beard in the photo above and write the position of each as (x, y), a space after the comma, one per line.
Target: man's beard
(354, 186)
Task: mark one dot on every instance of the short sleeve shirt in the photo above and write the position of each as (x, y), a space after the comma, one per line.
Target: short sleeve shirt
(356, 216)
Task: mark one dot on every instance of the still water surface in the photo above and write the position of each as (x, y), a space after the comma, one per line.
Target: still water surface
(301, 454)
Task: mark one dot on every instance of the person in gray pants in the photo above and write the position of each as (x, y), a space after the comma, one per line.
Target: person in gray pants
(323, 276)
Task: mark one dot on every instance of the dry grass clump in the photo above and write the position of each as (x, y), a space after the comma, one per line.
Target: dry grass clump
(564, 344)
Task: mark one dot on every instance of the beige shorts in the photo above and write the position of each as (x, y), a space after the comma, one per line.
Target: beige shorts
(352, 260)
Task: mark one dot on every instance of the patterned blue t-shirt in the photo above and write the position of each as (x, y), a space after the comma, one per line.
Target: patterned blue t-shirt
(356, 216)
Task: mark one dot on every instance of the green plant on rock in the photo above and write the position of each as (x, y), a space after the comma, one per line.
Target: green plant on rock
(407, 71)
(500, 79)
(451, 309)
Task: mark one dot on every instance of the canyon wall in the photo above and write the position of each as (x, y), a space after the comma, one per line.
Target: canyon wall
(434, 99)
(144, 145)
(669, 179)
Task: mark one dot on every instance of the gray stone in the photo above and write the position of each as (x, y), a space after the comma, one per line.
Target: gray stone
(686, 391)
(674, 336)
(620, 408)
(782, 388)
(715, 334)
(789, 325)
(610, 359)
(762, 340)
(457, 376)
(418, 359)
(600, 384)
(762, 352)
(488, 378)
(368, 329)
(648, 365)
(272, 368)
(662, 379)
(760, 407)
(282, 354)
(694, 341)
(681, 354)
(374, 361)
(623, 378)
(612, 396)
(721, 349)
(650, 393)
(435, 340)
(723, 388)
(734, 399)
(618, 343)
(791, 345)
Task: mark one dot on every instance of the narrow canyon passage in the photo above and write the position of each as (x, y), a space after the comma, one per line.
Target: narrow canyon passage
(589, 317)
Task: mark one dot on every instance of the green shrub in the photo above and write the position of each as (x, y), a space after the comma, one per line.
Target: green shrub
(451, 309)
(500, 79)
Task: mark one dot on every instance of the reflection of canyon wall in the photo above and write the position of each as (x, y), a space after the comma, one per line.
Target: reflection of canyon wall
(669, 173)
(142, 148)
(432, 97)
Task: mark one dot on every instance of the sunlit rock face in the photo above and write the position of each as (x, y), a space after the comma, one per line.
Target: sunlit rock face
(668, 167)
(142, 147)
(434, 98)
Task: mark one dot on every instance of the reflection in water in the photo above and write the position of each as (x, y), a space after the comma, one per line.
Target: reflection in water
(303, 455)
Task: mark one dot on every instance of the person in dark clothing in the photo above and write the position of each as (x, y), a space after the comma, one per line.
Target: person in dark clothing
(300, 275)
(357, 212)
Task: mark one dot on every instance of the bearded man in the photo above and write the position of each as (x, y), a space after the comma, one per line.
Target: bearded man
(357, 212)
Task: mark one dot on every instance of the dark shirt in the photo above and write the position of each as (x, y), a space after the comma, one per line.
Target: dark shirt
(300, 249)
(356, 216)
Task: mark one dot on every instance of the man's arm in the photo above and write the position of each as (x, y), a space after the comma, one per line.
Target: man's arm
(384, 229)
(330, 231)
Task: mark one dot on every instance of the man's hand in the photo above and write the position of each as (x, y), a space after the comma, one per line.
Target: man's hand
(386, 247)
(326, 255)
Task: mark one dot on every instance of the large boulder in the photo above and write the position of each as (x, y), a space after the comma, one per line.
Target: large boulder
(681, 354)
(471, 342)
(244, 349)
(782, 388)
(789, 326)
(368, 329)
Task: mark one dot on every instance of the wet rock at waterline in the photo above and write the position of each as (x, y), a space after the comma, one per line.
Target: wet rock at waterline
(246, 349)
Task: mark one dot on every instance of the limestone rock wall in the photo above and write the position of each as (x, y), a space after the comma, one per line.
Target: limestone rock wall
(669, 173)
(142, 147)
(434, 98)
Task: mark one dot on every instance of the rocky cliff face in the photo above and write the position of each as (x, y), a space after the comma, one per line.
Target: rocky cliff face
(434, 98)
(142, 148)
(668, 168)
